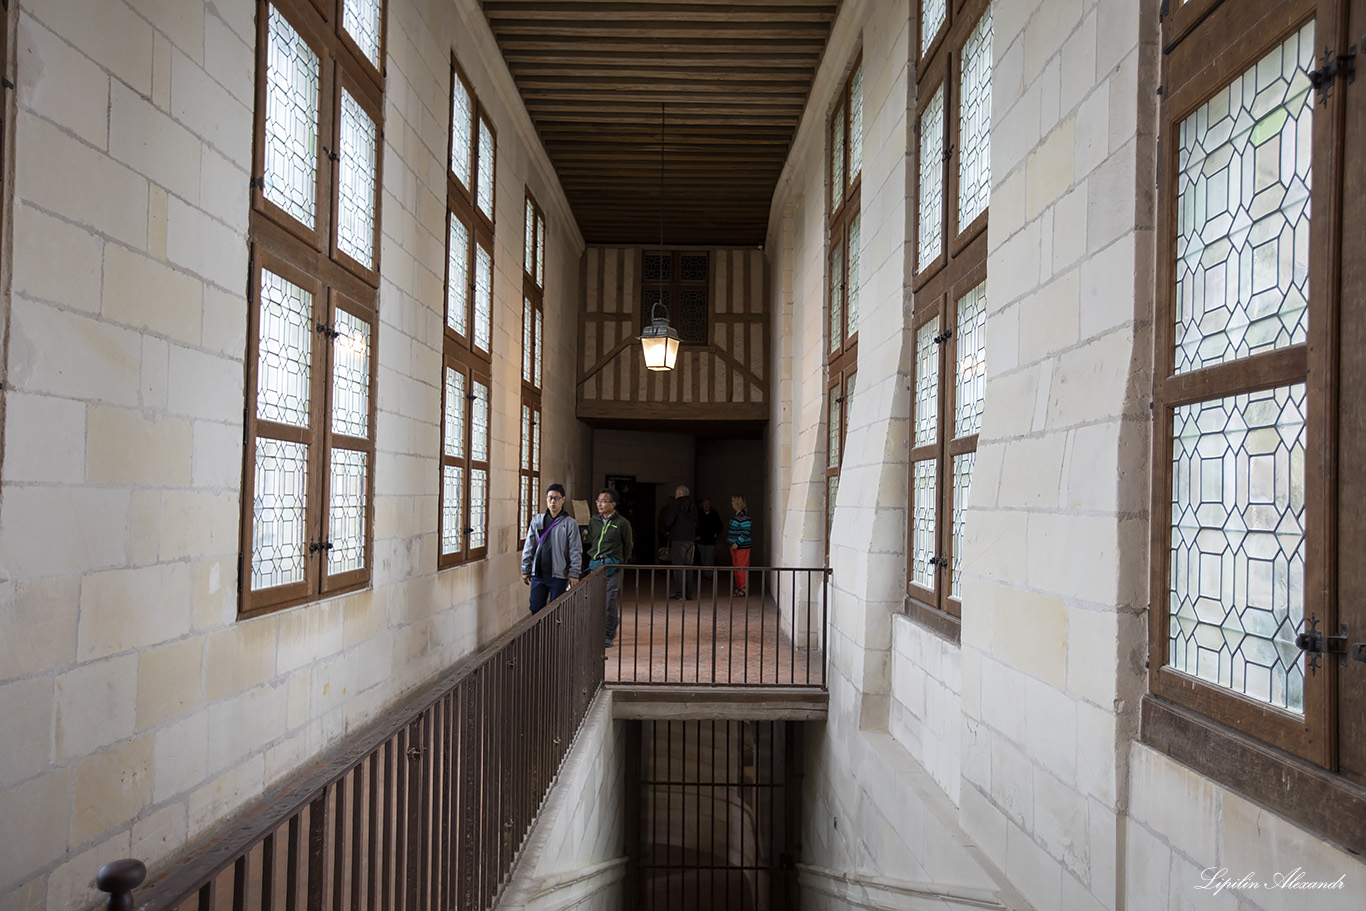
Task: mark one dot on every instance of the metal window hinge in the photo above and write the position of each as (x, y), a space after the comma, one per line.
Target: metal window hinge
(948, 151)
(257, 183)
(324, 329)
(1165, 10)
(5, 80)
(1315, 644)
(943, 337)
(331, 155)
(1331, 66)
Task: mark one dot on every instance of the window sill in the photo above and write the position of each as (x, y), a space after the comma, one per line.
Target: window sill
(1320, 801)
(936, 621)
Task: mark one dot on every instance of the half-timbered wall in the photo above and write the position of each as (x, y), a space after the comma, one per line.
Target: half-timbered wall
(724, 379)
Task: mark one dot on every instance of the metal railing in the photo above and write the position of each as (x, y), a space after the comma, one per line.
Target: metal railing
(428, 808)
(769, 630)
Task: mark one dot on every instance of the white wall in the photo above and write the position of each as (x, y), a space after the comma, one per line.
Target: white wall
(138, 709)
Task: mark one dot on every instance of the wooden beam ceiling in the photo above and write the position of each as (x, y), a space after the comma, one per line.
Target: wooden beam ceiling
(733, 78)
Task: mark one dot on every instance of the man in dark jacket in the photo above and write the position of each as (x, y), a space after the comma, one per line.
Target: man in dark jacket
(551, 553)
(680, 521)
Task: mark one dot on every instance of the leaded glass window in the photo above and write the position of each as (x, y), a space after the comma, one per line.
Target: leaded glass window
(962, 487)
(351, 375)
(483, 296)
(285, 351)
(971, 369)
(462, 130)
(457, 275)
(974, 124)
(452, 509)
(484, 194)
(1237, 562)
(290, 171)
(836, 333)
(360, 18)
(837, 149)
(310, 393)
(856, 125)
(278, 514)
(454, 436)
(931, 198)
(1243, 192)
(852, 290)
(926, 419)
(924, 537)
(356, 167)
(932, 16)
(347, 486)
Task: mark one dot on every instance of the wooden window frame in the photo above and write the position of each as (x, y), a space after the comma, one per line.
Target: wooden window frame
(309, 258)
(462, 352)
(1308, 768)
(959, 267)
(675, 288)
(533, 328)
(841, 359)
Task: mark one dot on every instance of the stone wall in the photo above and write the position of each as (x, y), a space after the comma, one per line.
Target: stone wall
(139, 711)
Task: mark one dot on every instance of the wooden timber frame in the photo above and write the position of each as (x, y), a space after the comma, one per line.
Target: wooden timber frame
(725, 379)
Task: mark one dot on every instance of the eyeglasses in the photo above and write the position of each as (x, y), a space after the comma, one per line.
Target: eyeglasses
(553, 496)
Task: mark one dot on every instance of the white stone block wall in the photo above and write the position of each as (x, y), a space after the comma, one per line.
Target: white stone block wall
(140, 711)
(926, 705)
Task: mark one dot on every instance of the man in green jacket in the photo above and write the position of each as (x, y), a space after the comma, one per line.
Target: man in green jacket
(610, 540)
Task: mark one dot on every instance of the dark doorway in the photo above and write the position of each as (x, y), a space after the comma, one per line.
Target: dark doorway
(636, 501)
(715, 815)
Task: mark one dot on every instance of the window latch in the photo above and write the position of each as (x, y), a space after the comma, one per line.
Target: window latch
(1315, 644)
(1331, 66)
(324, 329)
(939, 560)
(315, 546)
(943, 337)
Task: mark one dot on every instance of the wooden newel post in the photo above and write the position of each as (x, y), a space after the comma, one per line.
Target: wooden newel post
(119, 878)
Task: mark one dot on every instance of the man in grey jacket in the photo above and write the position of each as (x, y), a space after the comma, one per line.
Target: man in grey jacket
(552, 554)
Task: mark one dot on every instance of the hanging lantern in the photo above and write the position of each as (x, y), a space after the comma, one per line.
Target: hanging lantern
(659, 341)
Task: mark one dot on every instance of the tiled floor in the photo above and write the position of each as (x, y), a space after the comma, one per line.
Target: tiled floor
(717, 638)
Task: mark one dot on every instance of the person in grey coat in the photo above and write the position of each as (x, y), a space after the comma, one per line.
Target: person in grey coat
(552, 555)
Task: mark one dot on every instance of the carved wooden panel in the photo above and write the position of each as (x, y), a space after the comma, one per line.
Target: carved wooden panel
(725, 378)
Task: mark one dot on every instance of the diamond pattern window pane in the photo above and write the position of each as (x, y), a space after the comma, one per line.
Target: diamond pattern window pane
(356, 180)
(457, 274)
(462, 132)
(932, 15)
(833, 449)
(346, 511)
(931, 204)
(924, 494)
(290, 177)
(1243, 187)
(971, 380)
(837, 159)
(479, 422)
(529, 252)
(478, 507)
(692, 315)
(351, 375)
(360, 18)
(536, 365)
(536, 439)
(483, 296)
(1237, 573)
(974, 124)
(856, 125)
(282, 393)
(836, 333)
(926, 385)
(540, 251)
(526, 438)
(853, 287)
(452, 509)
(277, 527)
(454, 443)
(962, 485)
(483, 196)
(526, 339)
(694, 267)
